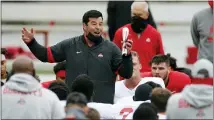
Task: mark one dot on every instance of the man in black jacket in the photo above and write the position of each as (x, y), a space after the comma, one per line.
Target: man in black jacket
(87, 54)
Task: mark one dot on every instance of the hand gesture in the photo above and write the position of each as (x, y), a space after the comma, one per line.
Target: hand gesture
(128, 46)
(27, 36)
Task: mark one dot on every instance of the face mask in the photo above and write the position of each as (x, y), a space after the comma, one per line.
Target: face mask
(95, 39)
(138, 24)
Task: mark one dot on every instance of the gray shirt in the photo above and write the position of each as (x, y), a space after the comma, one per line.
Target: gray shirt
(202, 33)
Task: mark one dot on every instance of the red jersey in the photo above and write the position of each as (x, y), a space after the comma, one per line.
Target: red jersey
(177, 80)
(147, 45)
(47, 84)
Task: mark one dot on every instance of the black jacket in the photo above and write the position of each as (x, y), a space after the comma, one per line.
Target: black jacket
(100, 62)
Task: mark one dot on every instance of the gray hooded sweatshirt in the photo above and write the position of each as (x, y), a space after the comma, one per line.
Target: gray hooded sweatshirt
(194, 102)
(202, 33)
(24, 98)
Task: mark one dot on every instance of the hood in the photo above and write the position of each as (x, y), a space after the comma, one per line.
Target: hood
(23, 83)
(198, 95)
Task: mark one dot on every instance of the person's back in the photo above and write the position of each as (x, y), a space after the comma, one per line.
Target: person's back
(146, 111)
(23, 97)
(126, 111)
(194, 102)
(202, 33)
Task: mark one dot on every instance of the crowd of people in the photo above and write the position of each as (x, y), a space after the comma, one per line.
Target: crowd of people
(95, 80)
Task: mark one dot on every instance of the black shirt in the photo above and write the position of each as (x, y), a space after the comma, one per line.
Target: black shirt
(100, 62)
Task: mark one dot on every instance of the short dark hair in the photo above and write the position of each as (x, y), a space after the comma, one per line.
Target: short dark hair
(77, 99)
(91, 14)
(145, 111)
(3, 51)
(93, 114)
(173, 62)
(157, 59)
(60, 89)
(83, 84)
(159, 98)
(59, 66)
(153, 85)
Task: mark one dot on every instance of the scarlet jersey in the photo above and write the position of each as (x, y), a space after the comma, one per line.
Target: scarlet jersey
(147, 44)
(177, 80)
(47, 84)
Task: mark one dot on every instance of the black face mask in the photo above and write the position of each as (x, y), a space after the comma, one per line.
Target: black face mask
(138, 24)
(95, 39)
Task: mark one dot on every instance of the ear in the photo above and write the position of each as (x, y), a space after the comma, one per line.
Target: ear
(147, 15)
(86, 109)
(84, 27)
(140, 66)
(170, 69)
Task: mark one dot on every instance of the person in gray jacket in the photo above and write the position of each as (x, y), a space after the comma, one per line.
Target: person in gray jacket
(23, 97)
(194, 102)
(202, 32)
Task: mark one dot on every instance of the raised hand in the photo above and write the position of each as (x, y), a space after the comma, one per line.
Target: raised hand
(27, 36)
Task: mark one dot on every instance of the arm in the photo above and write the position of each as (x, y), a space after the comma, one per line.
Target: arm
(51, 54)
(160, 49)
(194, 32)
(122, 64)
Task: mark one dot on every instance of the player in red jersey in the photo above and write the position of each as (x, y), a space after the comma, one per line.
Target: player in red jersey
(160, 67)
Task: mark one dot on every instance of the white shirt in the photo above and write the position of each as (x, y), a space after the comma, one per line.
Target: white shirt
(123, 100)
(63, 103)
(3, 80)
(122, 91)
(126, 111)
(116, 111)
(106, 110)
(161, 117)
